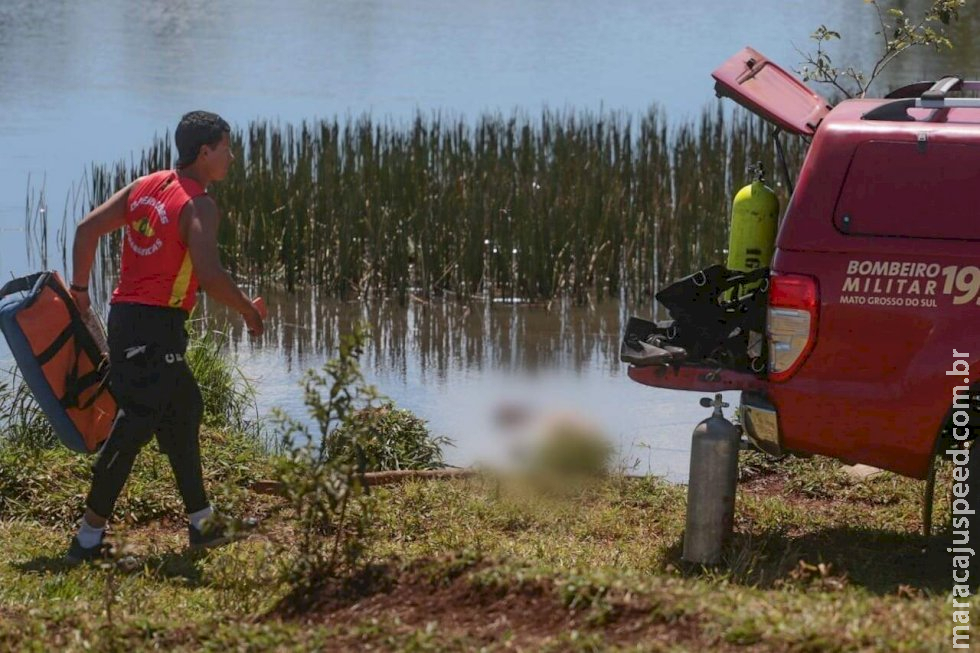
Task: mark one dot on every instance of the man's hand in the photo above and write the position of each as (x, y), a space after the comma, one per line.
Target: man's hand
(82, 300)
(253, 320)
(259, 305)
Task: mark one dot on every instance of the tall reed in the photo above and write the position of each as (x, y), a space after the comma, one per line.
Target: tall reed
(570, 204)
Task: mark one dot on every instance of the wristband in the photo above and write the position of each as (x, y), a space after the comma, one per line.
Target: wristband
(78, 288)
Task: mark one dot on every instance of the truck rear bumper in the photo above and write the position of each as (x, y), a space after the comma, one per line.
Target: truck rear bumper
(756, 413)
(699, 378)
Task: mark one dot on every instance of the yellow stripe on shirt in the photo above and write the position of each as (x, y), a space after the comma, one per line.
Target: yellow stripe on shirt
(182, 282)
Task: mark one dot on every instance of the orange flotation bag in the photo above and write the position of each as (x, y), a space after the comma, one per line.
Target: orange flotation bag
(63, 360)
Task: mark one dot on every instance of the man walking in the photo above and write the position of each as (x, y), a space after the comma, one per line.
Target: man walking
(170, 247)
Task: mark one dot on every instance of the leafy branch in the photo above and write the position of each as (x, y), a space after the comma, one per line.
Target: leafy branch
(898, 33)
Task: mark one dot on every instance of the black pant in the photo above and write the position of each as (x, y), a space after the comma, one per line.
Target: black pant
(156, 393)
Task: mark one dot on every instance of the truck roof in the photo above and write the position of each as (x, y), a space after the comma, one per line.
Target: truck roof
(860, 115)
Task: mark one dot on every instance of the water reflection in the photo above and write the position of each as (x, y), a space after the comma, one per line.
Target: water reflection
(458, 365)
(439, 336)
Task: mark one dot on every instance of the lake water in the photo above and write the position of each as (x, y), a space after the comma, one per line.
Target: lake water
(93, 80)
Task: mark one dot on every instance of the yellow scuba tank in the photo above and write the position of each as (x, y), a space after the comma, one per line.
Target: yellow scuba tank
(755, 214)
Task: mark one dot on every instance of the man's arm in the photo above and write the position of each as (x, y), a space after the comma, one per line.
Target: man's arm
(199, 222)
(107, 217)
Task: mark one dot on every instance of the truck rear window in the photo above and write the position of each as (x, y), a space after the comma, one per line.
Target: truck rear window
(902, 189)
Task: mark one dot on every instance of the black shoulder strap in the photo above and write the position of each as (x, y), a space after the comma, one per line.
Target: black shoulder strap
(21, 284)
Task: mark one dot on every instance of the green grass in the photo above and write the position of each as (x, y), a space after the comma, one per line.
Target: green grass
(47, 485)
(489, 564)
(21, 419)
(387, 438)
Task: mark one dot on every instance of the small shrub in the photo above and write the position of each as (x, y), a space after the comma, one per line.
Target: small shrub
(328, 495)
(388, 438)
(322, 473)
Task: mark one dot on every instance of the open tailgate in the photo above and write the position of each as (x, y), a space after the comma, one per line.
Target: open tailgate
(767, 90)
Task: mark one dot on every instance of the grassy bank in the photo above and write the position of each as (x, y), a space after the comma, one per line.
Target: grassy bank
(563, 204)
(819, 563)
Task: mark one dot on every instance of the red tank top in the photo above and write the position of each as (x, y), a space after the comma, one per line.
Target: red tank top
(156, 264)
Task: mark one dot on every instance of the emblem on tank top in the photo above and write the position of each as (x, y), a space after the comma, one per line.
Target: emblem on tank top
(140, 233)
(143, 226)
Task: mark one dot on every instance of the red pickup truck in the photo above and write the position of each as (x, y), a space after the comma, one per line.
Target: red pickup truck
(873, 300)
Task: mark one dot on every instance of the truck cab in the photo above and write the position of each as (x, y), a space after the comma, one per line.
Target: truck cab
(874, 286)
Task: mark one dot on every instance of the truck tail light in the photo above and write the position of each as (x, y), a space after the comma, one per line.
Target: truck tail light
(791, 327)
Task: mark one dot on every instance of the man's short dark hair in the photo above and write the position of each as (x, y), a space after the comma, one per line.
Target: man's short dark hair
(195, 129)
